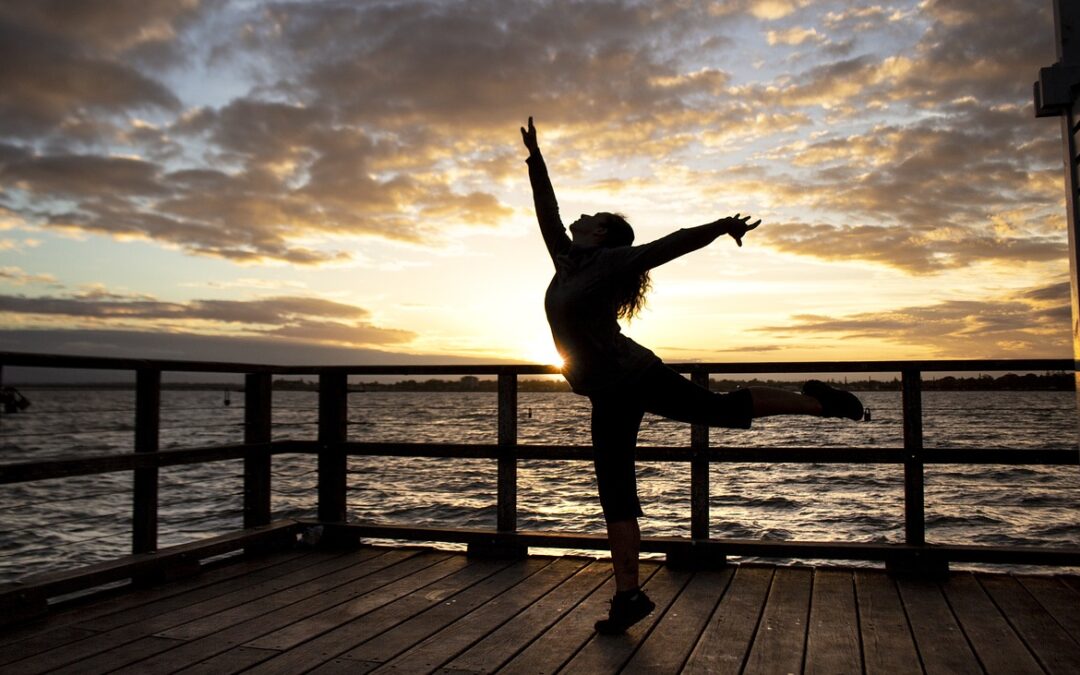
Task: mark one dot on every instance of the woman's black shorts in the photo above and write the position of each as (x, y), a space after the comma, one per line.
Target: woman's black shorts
(616, 419)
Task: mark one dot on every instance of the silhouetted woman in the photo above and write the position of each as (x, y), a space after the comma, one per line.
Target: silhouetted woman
(599, 278)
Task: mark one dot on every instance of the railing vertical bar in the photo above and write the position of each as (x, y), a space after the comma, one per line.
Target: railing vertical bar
(257, 490)
(144, 519)
(914, 479)
(333, 420)
(507, 478)
(699, 469)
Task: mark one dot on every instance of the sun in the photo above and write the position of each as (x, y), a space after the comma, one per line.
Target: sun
(544, 353)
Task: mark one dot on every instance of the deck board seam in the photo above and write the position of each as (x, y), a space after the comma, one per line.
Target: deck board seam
(708, 620)
(963, 630)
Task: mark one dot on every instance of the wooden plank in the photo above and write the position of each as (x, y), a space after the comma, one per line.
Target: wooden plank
(418, 628)
(349, 635)
(108, 661)
(781, 636)
(232, 661)
(1070, 580)
(43, 641)
(151, 622)
(726, 640)
(346, 583)
(996, 645)
(832, 643)
(274, 616)
(500, 645)
(557, 645)
(941, 644)
(669, 644)
(887, 643)
(345, 667)
(1048, 641)
(444, 645)
(216, 597)
(89, 576)
(608, 653)
(317, 624)
(1059, 599)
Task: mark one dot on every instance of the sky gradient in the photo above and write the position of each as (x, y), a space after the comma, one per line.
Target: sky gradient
(344, 182)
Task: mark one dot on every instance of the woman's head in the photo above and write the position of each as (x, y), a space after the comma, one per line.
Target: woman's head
(610, 230)
(602, 229)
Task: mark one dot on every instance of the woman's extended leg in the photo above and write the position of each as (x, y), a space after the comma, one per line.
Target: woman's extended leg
(671, 395)
(769, 401)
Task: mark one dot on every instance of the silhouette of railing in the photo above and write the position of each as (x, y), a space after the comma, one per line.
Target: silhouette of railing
(333, 448)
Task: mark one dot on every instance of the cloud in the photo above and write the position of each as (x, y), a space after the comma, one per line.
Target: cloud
(63, 64)
(393, 120)
(1033, 323)
(794, 36)
(18, 277)
(296, 317)
(916, 249)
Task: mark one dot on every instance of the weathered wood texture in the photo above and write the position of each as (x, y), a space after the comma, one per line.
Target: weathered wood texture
(416, 610)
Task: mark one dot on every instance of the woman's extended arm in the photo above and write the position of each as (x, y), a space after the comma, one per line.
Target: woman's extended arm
(678, 243)
(547, 208)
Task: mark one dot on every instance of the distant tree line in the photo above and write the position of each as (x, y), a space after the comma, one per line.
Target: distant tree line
(1010, 382)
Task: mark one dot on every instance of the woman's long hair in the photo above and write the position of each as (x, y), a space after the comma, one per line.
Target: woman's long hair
(630, 290)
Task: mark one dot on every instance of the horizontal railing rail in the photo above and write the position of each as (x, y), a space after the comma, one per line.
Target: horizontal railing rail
(332, 449)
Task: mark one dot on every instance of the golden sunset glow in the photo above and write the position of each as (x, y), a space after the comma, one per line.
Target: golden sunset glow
(344, 182)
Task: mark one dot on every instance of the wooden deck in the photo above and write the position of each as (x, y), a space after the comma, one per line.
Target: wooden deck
(415, 610)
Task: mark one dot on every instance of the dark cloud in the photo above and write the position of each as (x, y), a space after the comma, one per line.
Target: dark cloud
(365, 116)
(298, 318)
(1032, 323)
(56, 74)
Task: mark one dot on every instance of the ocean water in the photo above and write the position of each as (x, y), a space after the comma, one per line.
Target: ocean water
(61, 523)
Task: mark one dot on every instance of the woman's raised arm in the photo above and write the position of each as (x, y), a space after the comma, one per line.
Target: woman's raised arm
(547, 207)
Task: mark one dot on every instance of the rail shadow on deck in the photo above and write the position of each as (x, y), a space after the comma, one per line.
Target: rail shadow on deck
(416, 610)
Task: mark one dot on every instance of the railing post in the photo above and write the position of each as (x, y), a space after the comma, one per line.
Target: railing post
(698, 555)
(699, 469)
(333, 414)
(914, 510)
(503, 544)
(144, 519)
(919, 562)
(507, 482)
(257, 405)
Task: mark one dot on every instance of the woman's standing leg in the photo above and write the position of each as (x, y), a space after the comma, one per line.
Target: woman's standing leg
(615, 424)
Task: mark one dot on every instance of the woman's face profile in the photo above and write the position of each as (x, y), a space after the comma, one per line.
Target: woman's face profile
(588, 231)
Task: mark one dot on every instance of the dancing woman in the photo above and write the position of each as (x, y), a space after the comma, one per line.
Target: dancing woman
(601, 277)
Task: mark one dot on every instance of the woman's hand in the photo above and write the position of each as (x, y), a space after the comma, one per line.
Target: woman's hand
(529, 138)
(737, 226)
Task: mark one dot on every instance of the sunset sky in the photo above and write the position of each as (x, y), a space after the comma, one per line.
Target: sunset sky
(343, 182)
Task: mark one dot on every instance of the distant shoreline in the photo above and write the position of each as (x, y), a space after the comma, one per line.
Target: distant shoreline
(1009, 382)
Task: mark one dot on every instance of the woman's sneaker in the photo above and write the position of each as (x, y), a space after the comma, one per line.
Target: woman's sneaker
(834, 402)
(626, 609)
